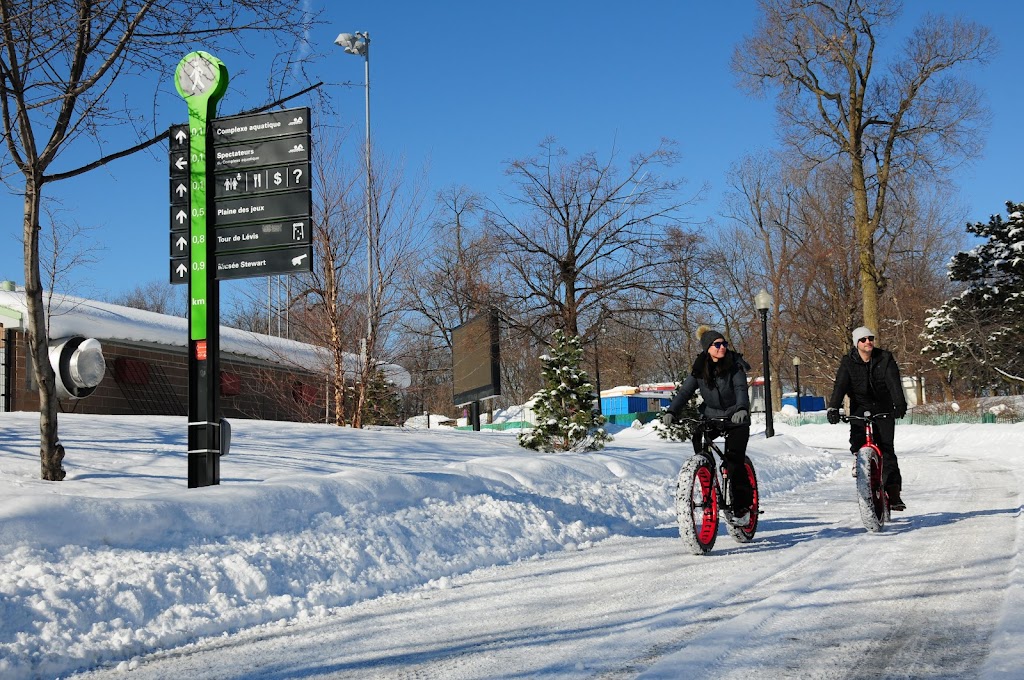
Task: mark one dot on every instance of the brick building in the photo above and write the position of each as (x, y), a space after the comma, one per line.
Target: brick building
(146, 372)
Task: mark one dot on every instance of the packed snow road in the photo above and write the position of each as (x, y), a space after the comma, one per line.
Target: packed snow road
(936, 595)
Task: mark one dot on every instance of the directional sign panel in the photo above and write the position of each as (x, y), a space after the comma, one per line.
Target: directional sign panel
(261, 153)
(179, 191)
(234, 129)
(294, 177)
(265, 263)
(179, 217)
(260, 183)
(179, 163)
(255, 236)
(179, 270)
(179, 244)
(179, 137)
(268, 208)
(179, 147)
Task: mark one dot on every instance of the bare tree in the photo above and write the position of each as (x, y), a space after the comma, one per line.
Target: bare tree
(585, 232)
(763, 209)
(452, 285)
(916, 118)
(332, 294)
(61, 64)
(155, 296)
(672, 330)
(397, 203)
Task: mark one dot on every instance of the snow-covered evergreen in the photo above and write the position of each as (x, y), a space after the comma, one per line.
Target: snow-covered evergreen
(681, 428)
(564, 410)
(981, 330)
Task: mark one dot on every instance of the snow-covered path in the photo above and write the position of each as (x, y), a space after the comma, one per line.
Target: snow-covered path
(937, 595)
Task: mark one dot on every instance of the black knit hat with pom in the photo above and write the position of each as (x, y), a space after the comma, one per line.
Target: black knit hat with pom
(708, 336)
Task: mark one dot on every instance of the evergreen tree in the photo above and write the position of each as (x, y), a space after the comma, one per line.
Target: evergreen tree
(681, 428)
(981, 331)
(383, 403)
(564, 409)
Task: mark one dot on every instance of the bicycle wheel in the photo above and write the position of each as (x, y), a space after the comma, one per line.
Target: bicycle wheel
(870, 496)
(697, 504)
(745, 533)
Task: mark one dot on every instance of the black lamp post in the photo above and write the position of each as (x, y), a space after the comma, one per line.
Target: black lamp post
(597, 366)
(796, 367)
(763, 302)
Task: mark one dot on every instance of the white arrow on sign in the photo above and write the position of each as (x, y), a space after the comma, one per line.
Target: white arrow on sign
(181, 163)
(181, 136)
(182, 270)
(181, 216)
(181, 190)
(181, 243)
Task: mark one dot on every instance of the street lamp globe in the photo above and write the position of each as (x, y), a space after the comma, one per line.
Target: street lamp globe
(762, 301)
(354, 43)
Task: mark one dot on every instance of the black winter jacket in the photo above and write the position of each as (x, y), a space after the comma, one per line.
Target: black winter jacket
(725, 394)
(873, 386)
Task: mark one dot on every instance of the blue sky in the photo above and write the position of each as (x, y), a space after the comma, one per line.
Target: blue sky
(460, 87)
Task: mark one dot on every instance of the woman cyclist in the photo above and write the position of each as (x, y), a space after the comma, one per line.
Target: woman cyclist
(721, 376)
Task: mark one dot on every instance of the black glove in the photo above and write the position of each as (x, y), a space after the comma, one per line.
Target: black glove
(833, 416)
(741, 417)
(899, 411)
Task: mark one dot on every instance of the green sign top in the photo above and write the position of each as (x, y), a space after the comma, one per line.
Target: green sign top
(201, 75)
(201, 80)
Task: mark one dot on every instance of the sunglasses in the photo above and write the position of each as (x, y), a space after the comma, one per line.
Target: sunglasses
(719, 344)
(867, 337)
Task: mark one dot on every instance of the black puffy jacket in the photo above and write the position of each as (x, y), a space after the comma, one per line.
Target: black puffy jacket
(872, 385)
(725, 394)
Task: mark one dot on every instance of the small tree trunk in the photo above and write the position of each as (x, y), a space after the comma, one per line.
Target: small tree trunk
(51, 453)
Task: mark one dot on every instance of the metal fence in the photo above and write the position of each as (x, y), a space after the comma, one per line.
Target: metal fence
(818, 418)
(795, 419)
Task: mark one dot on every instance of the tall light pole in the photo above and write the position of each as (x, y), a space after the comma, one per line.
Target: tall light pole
(796, 367)
(763, 302)
(358, 43)
(597, 365)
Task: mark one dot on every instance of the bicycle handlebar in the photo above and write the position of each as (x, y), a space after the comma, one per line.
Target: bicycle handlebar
(705, 420)
(866, 418)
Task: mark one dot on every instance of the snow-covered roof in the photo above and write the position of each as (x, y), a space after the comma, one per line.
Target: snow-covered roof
(71, 315)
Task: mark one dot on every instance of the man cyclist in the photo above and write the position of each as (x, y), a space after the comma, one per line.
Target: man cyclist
(870, 377)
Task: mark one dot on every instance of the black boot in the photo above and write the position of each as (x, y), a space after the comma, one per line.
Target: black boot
(895, 502)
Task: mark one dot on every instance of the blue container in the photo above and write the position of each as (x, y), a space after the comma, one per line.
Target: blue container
(807, 403)
(626, 404)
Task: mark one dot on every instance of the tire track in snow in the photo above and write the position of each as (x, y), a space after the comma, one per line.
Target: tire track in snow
(884, 611)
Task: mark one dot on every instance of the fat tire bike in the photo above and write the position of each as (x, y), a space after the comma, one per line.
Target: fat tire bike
(872, 499)
(703, 491)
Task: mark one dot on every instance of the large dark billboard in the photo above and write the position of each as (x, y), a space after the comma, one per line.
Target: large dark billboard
(475, 360)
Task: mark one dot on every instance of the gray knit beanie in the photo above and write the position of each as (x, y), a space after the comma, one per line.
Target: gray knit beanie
(861, 332)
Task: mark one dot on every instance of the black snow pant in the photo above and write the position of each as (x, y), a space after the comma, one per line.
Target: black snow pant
(884, 434)
(736, 439)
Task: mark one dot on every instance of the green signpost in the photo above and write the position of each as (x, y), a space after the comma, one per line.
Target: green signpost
(201, 80)
(241, 206)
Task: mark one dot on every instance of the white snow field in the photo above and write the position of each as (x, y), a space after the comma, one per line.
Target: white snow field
(397, 553)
